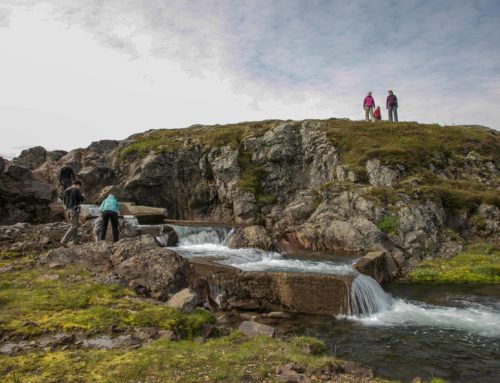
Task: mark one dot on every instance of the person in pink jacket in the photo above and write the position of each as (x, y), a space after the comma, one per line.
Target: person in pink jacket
(368, 106)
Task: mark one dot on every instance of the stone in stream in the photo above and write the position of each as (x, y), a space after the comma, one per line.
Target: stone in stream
(379, 265)
(255, 237)
(252, 329)
(322, 294)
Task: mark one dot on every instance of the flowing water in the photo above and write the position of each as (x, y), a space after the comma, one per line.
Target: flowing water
(411, 330)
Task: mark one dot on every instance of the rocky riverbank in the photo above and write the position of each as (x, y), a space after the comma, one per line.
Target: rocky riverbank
(409, 190)
(86, 313)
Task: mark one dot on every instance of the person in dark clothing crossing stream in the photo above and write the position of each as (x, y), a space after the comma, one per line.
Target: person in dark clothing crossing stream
(66, 176)
(72, 198)
(392, 106)
(110, 210)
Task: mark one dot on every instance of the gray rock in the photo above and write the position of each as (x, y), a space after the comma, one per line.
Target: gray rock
(253, 329)
(31, 158)
(185, 300)
(379, 175)
(255, 237)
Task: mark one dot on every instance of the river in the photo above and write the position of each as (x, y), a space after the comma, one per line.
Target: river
(406, 330)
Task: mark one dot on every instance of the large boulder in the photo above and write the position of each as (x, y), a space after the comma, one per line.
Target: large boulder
(23, 198)
(139, 262)
(255, 237)
(231, 288)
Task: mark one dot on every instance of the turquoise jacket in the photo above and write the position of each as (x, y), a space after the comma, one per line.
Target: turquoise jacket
(110, 203)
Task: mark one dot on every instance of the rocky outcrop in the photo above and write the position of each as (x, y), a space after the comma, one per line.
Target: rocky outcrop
(380, 175)
(303, 183)
(140, 263)
(255, 237)
(33, 158)
(23, 198)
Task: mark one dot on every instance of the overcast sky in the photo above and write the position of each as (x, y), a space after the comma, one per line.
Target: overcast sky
(76, 71)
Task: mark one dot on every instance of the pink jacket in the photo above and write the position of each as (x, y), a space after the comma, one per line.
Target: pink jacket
(369, 102)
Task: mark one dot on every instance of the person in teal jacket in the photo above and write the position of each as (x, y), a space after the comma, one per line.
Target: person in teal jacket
(109, 212)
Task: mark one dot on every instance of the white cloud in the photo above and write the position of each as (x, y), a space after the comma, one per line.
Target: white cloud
(73, 71)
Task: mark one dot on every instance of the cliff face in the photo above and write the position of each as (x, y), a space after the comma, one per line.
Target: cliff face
(413, 190)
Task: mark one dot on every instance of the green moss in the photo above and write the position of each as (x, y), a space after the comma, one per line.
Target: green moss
(34, 301)
(408, 143)
(215, 136)
(478, 263)
(228, 359)
(388, 224)
(312, 345)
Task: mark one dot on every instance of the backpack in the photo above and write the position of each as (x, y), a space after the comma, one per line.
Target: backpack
(66, 197)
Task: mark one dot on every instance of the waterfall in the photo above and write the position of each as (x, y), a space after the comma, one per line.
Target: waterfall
(367, 297)
(193, 235)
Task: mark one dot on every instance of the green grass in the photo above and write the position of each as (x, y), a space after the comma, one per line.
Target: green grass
(229, 359)
(411, 144)
(478, 263)
(216, 136)
(74, 302)
(388, 224)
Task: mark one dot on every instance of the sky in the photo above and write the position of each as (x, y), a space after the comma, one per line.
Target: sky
(77, 71)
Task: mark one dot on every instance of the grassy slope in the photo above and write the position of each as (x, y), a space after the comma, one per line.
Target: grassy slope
(478, 263)
(34, 302)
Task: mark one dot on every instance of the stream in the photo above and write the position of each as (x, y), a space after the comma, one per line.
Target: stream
(407, 330)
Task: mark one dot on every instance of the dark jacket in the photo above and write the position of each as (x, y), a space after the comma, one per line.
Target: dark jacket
(392, 101)
(72, 198)
(66, 173)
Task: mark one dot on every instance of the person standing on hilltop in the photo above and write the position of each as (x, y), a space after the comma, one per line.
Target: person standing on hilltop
(110, 210)
(392, 106)
(368, 105)
(72, 198)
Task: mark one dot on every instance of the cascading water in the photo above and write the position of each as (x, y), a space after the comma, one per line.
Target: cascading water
(367, 297)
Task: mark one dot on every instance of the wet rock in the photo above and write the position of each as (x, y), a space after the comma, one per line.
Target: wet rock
(168, 237)
(379, 265)
(260, 291)
(252, 329)
(255, 237)
(185, 300)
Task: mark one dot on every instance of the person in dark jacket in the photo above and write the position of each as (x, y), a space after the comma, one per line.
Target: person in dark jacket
(110, 210)
(392, 106)
(66, 176)
(72, 198)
